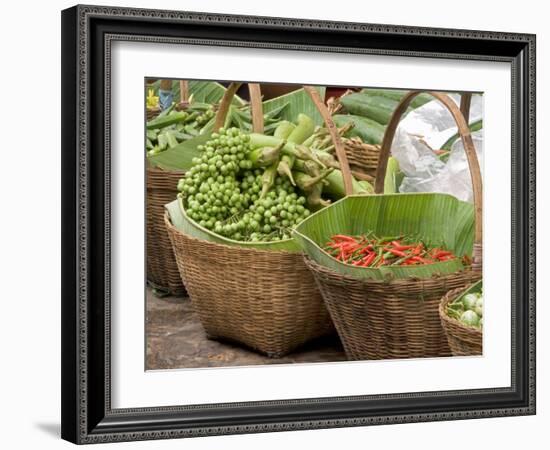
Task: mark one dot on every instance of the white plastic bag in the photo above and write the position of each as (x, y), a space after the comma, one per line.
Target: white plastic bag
(427, 129)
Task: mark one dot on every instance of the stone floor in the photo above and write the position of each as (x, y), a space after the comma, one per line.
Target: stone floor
(175, 339)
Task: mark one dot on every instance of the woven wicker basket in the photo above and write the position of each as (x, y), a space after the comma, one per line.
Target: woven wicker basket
(162, 270)
(387, 319)
(398, 318)
(265, 300)
(152, 113)
(463, 340)
(363, 158)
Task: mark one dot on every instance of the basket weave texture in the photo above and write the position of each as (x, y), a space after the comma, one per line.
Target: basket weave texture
(162, 270)
(362, 157)
(463, 339)
(152, 113)
(266, 300)
(388, 319)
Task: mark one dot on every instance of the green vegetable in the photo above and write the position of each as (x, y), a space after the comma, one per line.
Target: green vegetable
(162, 141)
(305, 182)
(265, 156)
(469, 301)
(335, 186)
(303, 130)
(171, 139)
(152, 135)
(379, 109)
(397, 95)
(314, 199)
(470, 318)
(166, 111)
(284, 168)
(391, 180)
(290, 148)
(226, 197)
(284, 129)
(478, 307)
(368, 130)
(164, 121)
(268, 178)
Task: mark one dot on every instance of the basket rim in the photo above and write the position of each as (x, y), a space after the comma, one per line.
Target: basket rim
(313, 265)
(446, 299)
(155, 169)
(171, 227)
(242, 244)
(346, 198)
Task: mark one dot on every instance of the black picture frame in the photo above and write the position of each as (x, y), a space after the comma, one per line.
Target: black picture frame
(87, 32)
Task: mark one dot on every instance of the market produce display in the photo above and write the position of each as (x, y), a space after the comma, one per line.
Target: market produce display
(468, 309)
(253, 187)
(368, 250)
(262, 181)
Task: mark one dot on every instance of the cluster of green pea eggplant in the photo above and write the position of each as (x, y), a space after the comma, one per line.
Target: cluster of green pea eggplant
(315, 172)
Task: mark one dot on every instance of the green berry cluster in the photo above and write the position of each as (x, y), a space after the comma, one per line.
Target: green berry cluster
(222, 191)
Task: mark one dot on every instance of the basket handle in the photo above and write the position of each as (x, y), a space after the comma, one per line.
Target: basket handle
(184, 91)
(465, 103)
(469, 148)
(335, 136)
(255, 106)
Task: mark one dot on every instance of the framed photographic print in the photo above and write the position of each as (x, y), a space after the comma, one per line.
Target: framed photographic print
(267, 222)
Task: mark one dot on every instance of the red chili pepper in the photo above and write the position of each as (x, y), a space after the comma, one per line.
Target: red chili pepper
(397, 252)
(398, 246)
(418, 249)
(420, 260)
(342, 237)
(367, 260)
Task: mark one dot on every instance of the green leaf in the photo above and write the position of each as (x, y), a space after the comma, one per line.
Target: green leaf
(186, 225)
(181, 156)
(391, 178)
(296, 102)
(437, 219)
(472, 289)
(465, 225)
(474, 126)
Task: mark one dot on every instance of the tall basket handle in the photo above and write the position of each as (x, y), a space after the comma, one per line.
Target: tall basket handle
(469, 148)
(336, 139)
(255, 106)
(184, 91)
(465, 103)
